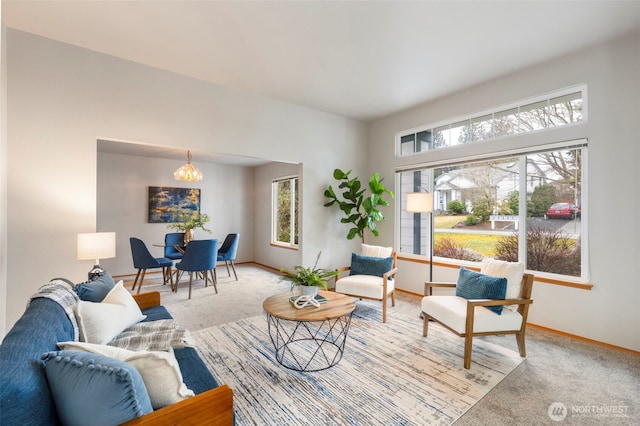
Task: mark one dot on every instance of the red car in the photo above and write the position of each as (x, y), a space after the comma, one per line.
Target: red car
(563, 211)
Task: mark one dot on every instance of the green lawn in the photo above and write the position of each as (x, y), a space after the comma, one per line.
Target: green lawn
(481, 243)
(447, 221)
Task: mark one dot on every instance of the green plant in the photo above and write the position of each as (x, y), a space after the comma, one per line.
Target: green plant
(359, 211)
(311, 277)
(472, 219)
(456, 207)
(185, 220)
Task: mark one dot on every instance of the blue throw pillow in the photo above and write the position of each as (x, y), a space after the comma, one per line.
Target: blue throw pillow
(95, 289)
(473, 285)
(93, 388)
(367, 265)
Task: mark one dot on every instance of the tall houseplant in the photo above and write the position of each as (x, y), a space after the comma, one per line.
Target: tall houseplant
(360, 211)
(308, 277)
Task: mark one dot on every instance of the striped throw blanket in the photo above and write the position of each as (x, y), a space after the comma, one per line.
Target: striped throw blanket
(61, 291)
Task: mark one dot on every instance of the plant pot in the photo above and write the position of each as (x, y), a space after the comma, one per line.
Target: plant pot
(307, 290)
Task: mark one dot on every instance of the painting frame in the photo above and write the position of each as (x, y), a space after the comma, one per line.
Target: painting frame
(165, 203)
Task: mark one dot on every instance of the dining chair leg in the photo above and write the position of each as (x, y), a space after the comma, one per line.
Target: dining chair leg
(144, 271)
(206, 278)
(233, 266)
(215, 276)
(215, 285)
(136, 280)
(190, 280)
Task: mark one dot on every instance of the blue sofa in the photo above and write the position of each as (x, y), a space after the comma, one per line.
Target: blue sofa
(25, 397)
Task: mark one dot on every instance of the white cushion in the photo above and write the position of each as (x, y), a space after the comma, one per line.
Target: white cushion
(452, 311)
(101, 322)
(512, 271)
(159, 370)
(369, 286)
(375, 251)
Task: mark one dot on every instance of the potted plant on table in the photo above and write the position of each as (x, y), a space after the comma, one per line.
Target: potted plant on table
(187, 221)
(308, 279)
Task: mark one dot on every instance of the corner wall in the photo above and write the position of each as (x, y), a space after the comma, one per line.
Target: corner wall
(608, 313)
(61, 99)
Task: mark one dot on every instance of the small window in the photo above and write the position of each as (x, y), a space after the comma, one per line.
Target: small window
(285, 211)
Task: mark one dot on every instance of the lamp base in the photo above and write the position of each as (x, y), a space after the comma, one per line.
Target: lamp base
(95, 272)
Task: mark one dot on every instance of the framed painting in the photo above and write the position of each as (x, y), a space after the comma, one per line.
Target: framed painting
(166, 202)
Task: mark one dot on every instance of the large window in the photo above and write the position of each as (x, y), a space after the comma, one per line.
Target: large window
(518, 208)
(517, 203)
(285, 211)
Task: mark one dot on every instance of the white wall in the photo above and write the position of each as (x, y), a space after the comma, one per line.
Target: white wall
(61, 99)
(226, 195)
(608, 312)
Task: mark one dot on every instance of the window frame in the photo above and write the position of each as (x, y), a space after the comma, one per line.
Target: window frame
(551, 138)
(293, 207)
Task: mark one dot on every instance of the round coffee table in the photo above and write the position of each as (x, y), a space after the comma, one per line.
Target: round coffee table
(311, 338)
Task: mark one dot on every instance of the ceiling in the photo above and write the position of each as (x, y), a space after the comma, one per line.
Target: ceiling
(358, 59)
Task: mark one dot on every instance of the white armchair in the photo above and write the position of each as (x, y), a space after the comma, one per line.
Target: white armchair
(371, 276)
(473, 316)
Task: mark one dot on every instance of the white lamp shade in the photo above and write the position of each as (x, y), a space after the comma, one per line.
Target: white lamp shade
(419, 202)
(97, 245)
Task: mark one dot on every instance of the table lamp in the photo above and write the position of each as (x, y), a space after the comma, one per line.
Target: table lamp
(96, 246)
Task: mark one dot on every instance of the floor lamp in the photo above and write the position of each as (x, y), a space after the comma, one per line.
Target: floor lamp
(422, 202)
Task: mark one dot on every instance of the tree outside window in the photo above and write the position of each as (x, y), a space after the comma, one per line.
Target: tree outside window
(285, 215)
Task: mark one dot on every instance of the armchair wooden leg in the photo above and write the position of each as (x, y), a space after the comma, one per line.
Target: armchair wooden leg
(521, 346)
(384, 309)
(393, 298)
(468, 341)
(425, 324)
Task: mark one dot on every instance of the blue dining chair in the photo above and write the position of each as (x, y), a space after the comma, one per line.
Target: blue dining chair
(227, 253)
(171, 240)
(143, 260)
(199, 256)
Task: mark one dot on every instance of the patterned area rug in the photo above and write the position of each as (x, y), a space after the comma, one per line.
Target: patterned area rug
(389, 374)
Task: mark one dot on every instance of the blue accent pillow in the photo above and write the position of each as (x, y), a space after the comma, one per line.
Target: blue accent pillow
(95, 289)
(93, 388)
(367, 265)
(473, 285)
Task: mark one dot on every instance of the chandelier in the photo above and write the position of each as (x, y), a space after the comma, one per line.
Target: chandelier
(188, 172)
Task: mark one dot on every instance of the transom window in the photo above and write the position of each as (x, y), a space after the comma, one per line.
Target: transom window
(553, 111)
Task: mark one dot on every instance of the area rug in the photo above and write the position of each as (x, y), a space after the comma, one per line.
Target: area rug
(389, 374)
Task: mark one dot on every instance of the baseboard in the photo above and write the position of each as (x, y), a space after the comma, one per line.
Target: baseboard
(584, 339)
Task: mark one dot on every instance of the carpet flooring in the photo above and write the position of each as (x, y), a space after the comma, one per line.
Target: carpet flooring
(581, 375)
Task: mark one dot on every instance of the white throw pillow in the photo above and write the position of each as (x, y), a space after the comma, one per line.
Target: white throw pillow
(159, 370)
(101, 322)
(512, 271)
(375, 251)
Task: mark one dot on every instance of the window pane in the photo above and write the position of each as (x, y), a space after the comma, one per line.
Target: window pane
(482, 127)
(554, 226)
(533, 116)
(460, 133)
(565, 109)
(441, 137)
(505, 122)
(407, 144)
(414, 227)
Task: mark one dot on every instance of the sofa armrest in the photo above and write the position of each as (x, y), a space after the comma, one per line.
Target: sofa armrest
(147, 300)
(213, 407)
